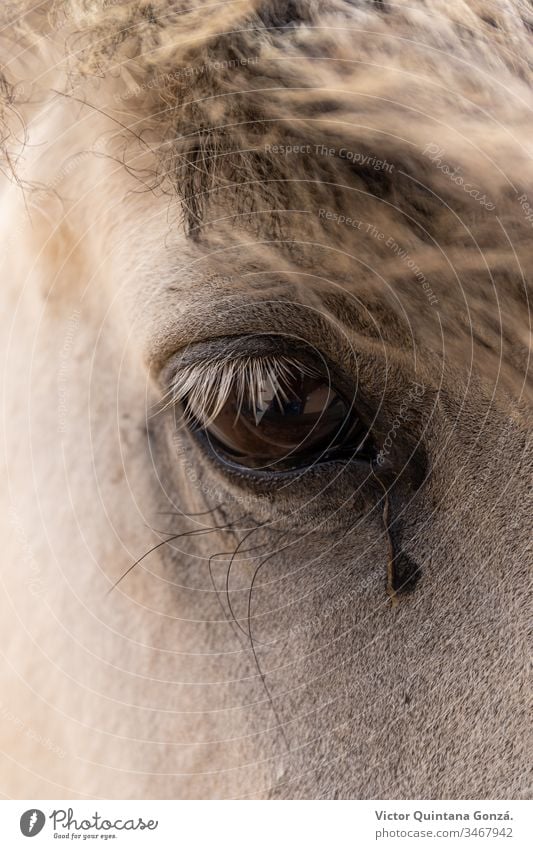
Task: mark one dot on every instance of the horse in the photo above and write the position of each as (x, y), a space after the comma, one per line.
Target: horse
(266, 398)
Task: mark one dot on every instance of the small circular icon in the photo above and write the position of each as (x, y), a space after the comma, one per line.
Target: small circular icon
(32, 822)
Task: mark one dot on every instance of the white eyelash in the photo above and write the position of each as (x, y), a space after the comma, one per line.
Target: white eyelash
(207, 386)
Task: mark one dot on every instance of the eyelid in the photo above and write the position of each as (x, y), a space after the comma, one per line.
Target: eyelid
(207, 385)
(254, 346)
(339, 372)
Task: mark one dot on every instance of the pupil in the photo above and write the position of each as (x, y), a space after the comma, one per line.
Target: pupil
(282, 423)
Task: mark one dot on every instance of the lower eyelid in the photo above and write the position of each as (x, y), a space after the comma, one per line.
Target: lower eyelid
(349, 477)
(330, 457)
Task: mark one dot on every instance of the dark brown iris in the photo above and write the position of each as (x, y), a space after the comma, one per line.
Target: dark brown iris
(284, 426)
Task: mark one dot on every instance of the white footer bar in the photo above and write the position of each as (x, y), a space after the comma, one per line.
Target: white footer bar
(267, 825)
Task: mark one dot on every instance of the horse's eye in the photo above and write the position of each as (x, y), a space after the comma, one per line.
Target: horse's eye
(285, 425)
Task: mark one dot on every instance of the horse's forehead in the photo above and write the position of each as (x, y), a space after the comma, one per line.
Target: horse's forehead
(404, 304)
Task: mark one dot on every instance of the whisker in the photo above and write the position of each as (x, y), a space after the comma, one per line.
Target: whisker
(232, 621)
(196, 532)
(256, 658)
(186, 515)
(272, 554)
(234, 554)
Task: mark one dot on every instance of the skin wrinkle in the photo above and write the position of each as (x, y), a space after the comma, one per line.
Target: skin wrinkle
(177, 230)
